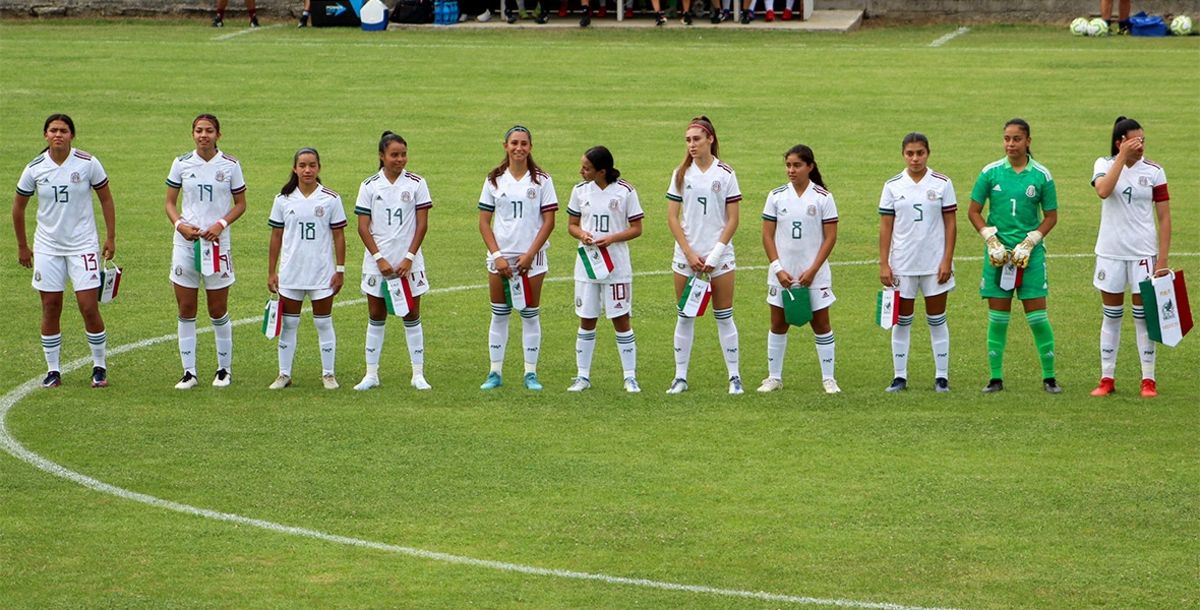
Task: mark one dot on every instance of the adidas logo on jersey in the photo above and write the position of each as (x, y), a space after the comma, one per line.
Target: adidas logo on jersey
(996, 188)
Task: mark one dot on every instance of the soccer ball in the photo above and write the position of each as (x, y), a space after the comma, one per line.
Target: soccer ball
(1079, 27)
(1181, 25)
(1097, 27)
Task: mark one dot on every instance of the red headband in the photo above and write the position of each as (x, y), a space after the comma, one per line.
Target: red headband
(703, 126)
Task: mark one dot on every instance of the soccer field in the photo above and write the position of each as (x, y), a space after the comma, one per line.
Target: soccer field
(245, 498)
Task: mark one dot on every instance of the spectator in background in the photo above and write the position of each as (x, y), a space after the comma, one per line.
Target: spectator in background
(306, 14)
(219, 20)
(1123, 12)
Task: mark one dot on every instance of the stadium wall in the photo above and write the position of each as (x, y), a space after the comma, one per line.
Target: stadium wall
(991, 10)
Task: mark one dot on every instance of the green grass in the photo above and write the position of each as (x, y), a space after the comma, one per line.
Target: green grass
(1012, 501)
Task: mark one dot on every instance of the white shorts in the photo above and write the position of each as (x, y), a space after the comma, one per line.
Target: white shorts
(372, 284)
(1114, 275)
(819, 297)
(927, 284)
(541, 264)
(615, 299)
(727, 264)
(50, 272)
(183, 270)
(297, 294)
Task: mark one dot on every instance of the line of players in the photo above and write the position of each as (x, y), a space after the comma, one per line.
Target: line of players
(517, 215)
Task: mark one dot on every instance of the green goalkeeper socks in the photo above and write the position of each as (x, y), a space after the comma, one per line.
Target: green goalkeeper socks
(1043, 338)
(997, 338)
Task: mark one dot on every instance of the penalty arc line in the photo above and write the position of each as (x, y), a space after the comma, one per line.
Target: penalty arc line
(14, 447)
(948, 37)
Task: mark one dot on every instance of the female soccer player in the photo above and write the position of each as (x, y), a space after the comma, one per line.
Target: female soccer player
(799, 231)
(1017, 187)
(516, 217)
(65, 244)
(604, 213)
(393, 216)
(916, 252)
(214, 196)
(307, 221)
(702, 213)
(1129, 248)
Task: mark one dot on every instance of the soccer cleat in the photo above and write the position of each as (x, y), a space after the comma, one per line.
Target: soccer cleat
(330, 381)
(562, 9)
(735, 386)
(484, 17)
(218, 22)
(993, 386)
(1149, 388)
(543, 17)
(222, 379)
(941, 385)
(629, 11)
(368, 382)
(716, 17)
(899, 384)
(579, 384)
(303, 21)
(1051, 386)
(660, 20)
(747, 17)
(532, 383)
(187, 382)
(678, 386)
(418, 382)
(510, 18)
(631, 385)
(585, 20)
(603, 12)
(281, 382)
(1107, 386)
(53, 379)
(787, 14)
(254, 21)
(770, 384)
(492, 382)
(831, 386)
(99, 377)
(770, 16)
(687, 18)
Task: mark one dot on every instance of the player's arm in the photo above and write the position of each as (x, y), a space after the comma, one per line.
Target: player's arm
(772, 251)
(24, 254)
(726, 236)
(339, 256)
(418, 238)
(213, 233)
(1162, 209)
(997, 253)
(887, 222)
(110, 221)
(673, 210)
(368, 240)
(493, 246)
(950, 225)
(273, 248)
(829, 232)
(575, 229)
(525, 261)
(172, 209)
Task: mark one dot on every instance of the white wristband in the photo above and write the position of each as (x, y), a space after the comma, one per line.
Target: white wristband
(987, 233)
(178, 222)
(494, 255)
(339, 269)
(776, 267)
(377, 255)
(223, 222)
(409, 256)
(715, 256)
(1034, 237)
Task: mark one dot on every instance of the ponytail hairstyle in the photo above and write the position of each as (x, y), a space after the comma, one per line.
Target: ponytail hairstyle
(1024, 127)
(915, 138)
(806, 155)
(534, 169)
(703, 123)
(602, 160)
(386, 140)
(204, 116)
(58, 117)
(294, 181)
(1121, 127)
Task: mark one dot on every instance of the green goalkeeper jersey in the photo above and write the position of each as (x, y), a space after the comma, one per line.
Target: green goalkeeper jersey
(1015, 198)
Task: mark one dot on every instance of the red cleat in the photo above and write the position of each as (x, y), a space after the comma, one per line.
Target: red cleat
(602, 13)
(1107, 386)
(1149, 388)
(629, 12)
(770, 16)
(787, 14)
(562, 9)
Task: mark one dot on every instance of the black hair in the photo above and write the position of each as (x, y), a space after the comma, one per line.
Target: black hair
(602, 160)
(1024, 127)
(703, 123)
(294, 180)
(915, 138)
(534, 169)
(204, 116)
(58, 117)
(806, 155)
(386, 140)
(1122, 126)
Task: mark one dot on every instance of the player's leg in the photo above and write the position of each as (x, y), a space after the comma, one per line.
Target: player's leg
(999, 314)
(777, 341)
(51, 332)
(253, 11)
(1043, 340)
(218, 315)
(727, 333)
(587, 307)
(939, 339)
(414, 335)
(902, 339)
(826, 349)
(186, 300)
(306, 14)
(377, 315)
(497, 331)
(531, 331)
(93, 325)
(685, 330)
(1113, 307)
(627, 350)
(289, 306)
(322, 310)
(219, 20)
(1146, 348)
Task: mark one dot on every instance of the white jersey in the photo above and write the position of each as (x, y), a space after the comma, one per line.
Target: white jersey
(704, 197)
(918, 232)
(306, 259)
(517, 207)
(392, 208)
(208, 188)
(1127, 215)
(800, 228)
(66, 223)
(604, 212)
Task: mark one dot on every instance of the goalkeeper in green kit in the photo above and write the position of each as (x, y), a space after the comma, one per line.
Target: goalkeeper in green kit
(1017, 188)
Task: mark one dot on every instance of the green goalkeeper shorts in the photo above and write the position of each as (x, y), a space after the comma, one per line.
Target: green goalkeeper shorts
(1033, 282)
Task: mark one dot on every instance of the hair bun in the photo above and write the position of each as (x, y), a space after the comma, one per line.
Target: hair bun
(386, 134)
(1119, 119)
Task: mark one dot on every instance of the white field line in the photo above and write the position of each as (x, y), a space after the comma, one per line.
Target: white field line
(948, 37)
(14, 447)
(245, 31)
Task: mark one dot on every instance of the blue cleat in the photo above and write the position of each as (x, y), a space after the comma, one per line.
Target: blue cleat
(532, 383)
(492, 382)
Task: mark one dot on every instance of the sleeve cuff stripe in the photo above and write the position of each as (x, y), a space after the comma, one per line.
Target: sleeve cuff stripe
(571, 212)
(274, 225)
(176, 185)
(770, 218)
(101, 185)
(25, 193)
(674, 197)
(239, 190)
(338, 225)
(886, 212)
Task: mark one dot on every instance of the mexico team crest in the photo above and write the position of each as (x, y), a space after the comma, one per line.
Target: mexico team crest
(716, 187)
(613, 204)
(220, 177)
(1031, 191)
(812, 210)
(75, 178)
(406, 196)
(371, 281)
(531, 193)
(319, 212)
(1143, 180)
(931, 195)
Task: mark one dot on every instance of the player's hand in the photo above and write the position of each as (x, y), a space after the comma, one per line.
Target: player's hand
(339, 278)
(695, 262)
(945, 272)
(385, 268)
(403, 268)
(586, 238)
(603, 241)
(997, 254)
(806, 278)
(1160, 265)
(213, 233)
(785, 279)
(109, 250)
(1129, 147)
(525, 262)
(273, 283)
(25, 256)
(188, 232)
(1020, 254)
(885, 275)
(502, 267)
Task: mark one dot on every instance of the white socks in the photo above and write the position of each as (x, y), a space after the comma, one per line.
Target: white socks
(99, 344)
(685, 330)
(939, 337)
(51, 348)
(627, 348)
(531, 337)
(498, 335)
(376, 330)
(223, 331)
(825, 353)
(728, 334)
(1110, 339)
(776, 348)
(1145, 345)
(287, 343)
(901, 337)
(327, 341)
(585, 346)
(186, 329)
(415, 337)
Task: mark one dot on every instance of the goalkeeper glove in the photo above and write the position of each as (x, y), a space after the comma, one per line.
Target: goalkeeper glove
(1020, 254)
(997, 254)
